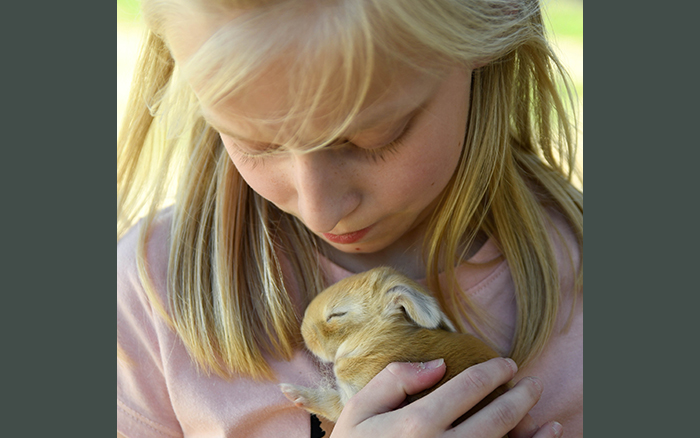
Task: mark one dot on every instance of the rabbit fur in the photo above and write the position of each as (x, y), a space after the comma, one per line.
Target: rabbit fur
(369, 320)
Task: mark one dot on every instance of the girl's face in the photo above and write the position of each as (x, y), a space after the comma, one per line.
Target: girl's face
(367, 194)
(372, 192)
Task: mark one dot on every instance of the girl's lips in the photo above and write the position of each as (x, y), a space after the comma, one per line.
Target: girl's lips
(347, 238)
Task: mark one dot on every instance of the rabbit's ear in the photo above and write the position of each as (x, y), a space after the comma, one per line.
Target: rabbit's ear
(419, 307)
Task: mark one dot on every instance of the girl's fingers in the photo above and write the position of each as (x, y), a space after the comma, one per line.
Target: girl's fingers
(388, 389)
(507, 411)
(525, 429)
(457, 396)
(549, 430)
(434, 413)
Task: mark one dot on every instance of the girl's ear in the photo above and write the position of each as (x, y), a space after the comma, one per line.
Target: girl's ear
(418, 307)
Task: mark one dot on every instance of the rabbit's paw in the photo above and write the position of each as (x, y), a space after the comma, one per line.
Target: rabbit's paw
(296, 394)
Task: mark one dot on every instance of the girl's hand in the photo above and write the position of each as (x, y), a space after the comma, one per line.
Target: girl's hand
(374, 410)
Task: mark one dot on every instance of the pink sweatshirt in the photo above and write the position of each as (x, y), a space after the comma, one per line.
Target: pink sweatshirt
(162, 394)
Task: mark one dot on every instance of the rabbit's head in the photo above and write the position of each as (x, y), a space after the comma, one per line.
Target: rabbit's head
(350, 315)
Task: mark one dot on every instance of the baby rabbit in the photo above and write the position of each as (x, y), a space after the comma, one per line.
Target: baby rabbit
(366, 321)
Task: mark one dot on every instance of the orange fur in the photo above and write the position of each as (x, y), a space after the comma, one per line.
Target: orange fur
(369, 320)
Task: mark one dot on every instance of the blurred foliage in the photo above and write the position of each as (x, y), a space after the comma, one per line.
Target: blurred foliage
(128, 11)
(564, 18)
(564, 21)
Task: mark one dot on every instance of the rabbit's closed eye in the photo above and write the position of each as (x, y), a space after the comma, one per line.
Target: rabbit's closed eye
(336, 315)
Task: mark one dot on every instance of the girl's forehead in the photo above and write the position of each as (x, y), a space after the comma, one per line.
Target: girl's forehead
(261, 114)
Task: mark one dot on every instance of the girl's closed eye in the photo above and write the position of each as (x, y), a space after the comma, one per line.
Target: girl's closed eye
(250, 154)
(381, 152)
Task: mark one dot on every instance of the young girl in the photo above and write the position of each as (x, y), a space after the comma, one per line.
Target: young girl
(277, 146)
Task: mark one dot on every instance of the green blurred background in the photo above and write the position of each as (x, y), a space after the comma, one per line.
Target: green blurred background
(564, 18)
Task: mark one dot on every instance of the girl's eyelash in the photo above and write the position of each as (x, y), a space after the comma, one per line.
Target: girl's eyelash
(250, 159)
(382, 152)
(253, 159)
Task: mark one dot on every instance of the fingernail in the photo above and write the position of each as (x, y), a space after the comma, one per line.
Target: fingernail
(437, 363)
(536, 381)
(433, 364)
(557, 428)
(513, 366)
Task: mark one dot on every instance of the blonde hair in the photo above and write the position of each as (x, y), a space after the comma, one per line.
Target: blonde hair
(227, 296)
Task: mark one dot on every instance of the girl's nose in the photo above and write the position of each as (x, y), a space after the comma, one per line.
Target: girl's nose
(325, 190)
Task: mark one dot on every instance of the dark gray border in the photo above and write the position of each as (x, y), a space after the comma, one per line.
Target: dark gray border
(55, 174)
(642, 197)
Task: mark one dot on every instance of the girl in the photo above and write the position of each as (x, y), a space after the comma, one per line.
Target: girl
(277, 146)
